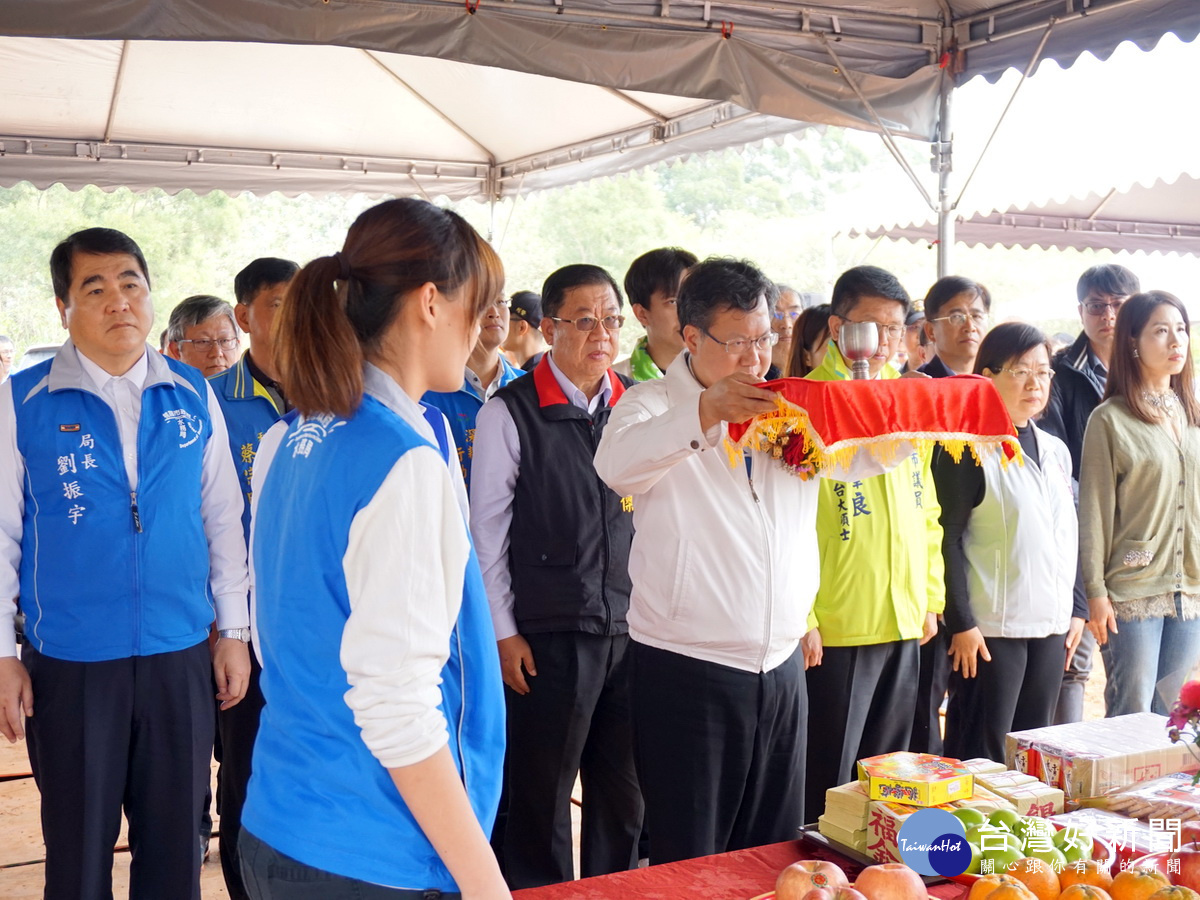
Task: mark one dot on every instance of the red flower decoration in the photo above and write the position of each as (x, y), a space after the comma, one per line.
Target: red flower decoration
(1189, 694)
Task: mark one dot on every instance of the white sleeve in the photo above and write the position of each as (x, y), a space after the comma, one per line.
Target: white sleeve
(404, 569)
(221, 505)
(267, 448)
(494, 469)
(639, 446)
(12, 513)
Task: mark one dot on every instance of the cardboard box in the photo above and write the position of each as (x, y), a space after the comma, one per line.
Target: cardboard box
(1035, 799)
(915, 779)
(981, 766)
(883, 829)
(1085, 759)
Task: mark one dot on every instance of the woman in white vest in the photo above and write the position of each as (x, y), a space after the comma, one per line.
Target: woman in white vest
(1139, 509)
(1011, 551)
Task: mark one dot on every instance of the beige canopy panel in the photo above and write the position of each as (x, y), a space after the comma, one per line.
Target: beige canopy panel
(490, 97)
(1160, 218)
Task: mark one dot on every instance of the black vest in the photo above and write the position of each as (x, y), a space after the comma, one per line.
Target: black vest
(570, 534)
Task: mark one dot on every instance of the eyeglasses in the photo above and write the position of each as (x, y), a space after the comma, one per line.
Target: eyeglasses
(589, 323)
(205, 346)
(1100, 308)
(893, 332)
(790, 314)
(738, 347)
(959, 319)
(1022, 375)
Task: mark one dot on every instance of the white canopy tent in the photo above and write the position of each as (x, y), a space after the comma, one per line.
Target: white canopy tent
(1163, 217)
(489, 98)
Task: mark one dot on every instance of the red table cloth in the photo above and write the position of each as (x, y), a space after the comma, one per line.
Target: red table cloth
(822, 423)
(740, 875)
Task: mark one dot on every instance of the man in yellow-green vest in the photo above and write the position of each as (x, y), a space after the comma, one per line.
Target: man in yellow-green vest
(652, 282)
(881, 573)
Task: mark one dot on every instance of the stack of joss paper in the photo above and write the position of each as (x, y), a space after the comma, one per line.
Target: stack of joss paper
(818, 424)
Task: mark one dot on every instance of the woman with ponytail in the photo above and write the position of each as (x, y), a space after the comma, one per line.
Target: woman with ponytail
(376, 770)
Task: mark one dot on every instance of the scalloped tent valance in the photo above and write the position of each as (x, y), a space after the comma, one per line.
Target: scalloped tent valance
(489, 98)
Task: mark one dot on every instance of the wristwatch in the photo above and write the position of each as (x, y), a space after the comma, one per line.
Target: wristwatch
(238, 634)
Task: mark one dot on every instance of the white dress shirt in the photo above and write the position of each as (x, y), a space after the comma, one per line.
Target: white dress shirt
(493, 481)
(220, 494)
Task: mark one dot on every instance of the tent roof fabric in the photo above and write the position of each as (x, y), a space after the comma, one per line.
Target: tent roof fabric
(1161, 217)
(489, 97)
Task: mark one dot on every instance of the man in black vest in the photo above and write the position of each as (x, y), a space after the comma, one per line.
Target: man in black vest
(553, 542)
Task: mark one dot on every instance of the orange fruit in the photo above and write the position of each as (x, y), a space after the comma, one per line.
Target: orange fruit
(1086, 871)
(1138, 884)
(1039, 876)
(1175, 892)
(1088, 892)
(1016, 891)
(985, 884)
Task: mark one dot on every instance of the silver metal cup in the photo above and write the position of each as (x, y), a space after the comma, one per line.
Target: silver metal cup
(858, 342)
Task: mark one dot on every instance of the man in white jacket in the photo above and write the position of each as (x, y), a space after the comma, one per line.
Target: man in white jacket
(724, 567)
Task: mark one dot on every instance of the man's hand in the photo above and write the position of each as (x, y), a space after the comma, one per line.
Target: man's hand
(929, 632)
(812, 648)
(231, 668)
(1101, 619)
(735, 398)
(515, 653)
(16, 698)
(965, 649)
(1074, 633)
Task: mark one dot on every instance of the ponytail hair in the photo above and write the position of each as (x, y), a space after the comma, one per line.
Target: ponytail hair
(338, 308)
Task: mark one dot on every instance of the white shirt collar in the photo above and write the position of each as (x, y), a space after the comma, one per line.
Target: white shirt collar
(380, 385)
(575, 395)
(136, 376)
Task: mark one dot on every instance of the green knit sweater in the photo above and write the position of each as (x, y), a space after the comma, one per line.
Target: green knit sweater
(1139, 508)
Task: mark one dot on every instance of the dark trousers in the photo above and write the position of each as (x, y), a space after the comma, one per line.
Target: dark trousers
(720, 753)
(932, 685)
(863, 706)
(135, 733)
(1017, 690)
(238, 727)
(270, 875)
(575, 720)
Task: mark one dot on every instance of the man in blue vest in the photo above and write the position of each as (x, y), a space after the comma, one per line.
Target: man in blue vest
(119, 533)
(553, 543)
(486, 372)
(252, 400)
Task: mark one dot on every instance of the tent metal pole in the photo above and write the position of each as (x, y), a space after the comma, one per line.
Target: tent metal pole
(889, 140)
(943, 150)
(116, 92)
(1034, 60)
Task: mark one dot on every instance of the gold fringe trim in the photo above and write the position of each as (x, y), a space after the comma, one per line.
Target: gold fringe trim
(772, 433)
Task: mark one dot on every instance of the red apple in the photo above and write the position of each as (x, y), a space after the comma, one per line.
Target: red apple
(891, 881)
(1189, 868)
(839, 893)
(808, 874)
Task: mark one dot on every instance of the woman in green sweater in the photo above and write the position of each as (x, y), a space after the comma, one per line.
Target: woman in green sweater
(1139, 509)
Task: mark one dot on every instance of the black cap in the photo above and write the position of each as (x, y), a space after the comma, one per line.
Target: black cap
(528, 306)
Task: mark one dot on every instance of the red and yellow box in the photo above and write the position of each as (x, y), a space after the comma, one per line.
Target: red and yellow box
(915, 779)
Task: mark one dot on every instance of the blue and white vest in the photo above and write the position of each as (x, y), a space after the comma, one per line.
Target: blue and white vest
(312, 772)
(107, 573)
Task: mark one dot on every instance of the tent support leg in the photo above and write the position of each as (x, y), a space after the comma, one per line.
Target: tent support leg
(943, 150)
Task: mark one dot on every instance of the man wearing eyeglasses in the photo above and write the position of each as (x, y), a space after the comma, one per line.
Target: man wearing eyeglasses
(882, 582)
(1080, 376)
(724, 568)
(553, 543)
(957, 316)
(202, 333)
(783, 323)
(486, 372)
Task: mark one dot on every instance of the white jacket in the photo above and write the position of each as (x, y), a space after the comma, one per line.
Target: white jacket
(724, 568)
(1022, 545)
